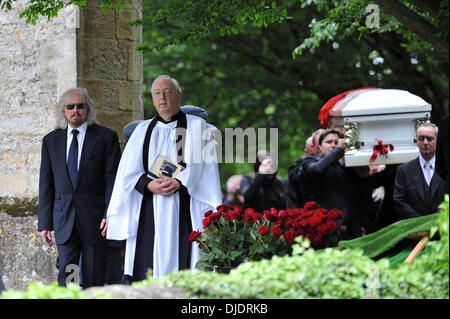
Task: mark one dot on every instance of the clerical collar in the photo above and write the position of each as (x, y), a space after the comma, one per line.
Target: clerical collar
(174, 118)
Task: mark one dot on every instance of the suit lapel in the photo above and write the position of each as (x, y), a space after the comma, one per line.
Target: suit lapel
(434, 184)
(88, 146)
(419, 181)
(61, 153)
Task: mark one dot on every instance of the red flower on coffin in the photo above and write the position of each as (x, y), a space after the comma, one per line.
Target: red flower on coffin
(380, 149)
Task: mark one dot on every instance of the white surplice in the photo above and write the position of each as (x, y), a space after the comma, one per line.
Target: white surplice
(201, 178)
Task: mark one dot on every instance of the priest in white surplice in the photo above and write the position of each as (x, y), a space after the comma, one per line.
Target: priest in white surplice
(156, 215)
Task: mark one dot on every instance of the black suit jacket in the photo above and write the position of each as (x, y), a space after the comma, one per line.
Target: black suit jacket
(412, 197)
(90, 197)
(442, 150)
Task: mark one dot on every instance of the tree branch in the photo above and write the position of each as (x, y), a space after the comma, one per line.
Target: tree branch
(418, 25)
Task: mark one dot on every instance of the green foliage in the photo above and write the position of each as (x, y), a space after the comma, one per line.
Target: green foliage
(37, 290)
(193, 20)
(50, 8)
(348, 17)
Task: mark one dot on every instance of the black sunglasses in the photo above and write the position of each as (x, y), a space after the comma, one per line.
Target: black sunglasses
(78, 105)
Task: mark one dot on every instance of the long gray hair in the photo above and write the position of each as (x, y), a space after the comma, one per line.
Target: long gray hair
(61, 121)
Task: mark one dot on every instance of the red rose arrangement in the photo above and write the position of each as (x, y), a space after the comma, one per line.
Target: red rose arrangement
(232, 235)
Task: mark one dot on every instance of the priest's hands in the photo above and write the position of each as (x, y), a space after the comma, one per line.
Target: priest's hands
(163, 185)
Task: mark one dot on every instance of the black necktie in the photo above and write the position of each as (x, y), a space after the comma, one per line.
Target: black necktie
(72, 162)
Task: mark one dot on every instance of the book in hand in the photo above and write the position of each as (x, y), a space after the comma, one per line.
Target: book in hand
(165, 166)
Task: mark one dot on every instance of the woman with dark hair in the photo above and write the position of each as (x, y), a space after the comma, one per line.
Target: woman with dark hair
(263, 189)
(331, 184)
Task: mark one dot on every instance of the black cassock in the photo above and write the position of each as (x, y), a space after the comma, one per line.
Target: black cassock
(143, 259)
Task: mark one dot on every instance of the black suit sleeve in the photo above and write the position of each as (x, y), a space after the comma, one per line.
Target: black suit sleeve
(46, 191)
(401, 201)
(314, 169)
(442, 149)
(112, 159)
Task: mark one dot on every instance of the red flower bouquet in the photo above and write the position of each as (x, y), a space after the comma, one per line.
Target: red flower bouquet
(233, 235)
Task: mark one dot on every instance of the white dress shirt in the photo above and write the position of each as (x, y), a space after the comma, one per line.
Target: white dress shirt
(82, 133)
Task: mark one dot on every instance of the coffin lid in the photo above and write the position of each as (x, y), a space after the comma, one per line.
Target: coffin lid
(378, 101)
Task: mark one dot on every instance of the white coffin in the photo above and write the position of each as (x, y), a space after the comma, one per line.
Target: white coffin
(390, 115)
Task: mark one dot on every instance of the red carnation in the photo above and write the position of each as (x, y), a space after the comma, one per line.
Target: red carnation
(334, 213)
(194, 235)
(270, 216)
(234, 215)
(288, 221)
(206, 222)
(262, 230)
(289, 236)
(208, 213)
(314, 221)
(331, 225)
(247, 217)
(215, 216)
(237, 209)
(257, 217)
(322, 229)
(311, 205)
(294, 212)
(223, 207)
(276, 232)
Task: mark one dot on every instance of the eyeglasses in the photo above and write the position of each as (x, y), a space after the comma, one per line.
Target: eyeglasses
(79, 106)
(164, 92)
(423, 137)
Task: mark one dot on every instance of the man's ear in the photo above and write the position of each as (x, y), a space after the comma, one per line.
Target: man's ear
(415, 140)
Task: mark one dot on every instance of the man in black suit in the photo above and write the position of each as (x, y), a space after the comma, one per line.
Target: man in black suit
(78, 168)
(418, 188)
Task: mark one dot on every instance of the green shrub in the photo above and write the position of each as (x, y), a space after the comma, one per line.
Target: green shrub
(37, 290)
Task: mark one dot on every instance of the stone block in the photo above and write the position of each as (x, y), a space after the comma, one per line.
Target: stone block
(135, 63)
(95, 90)
(96, 24)
(128, 292)
(123, 30)
(130, 96)
(117, 120)
(23, 256)
(105, 59)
